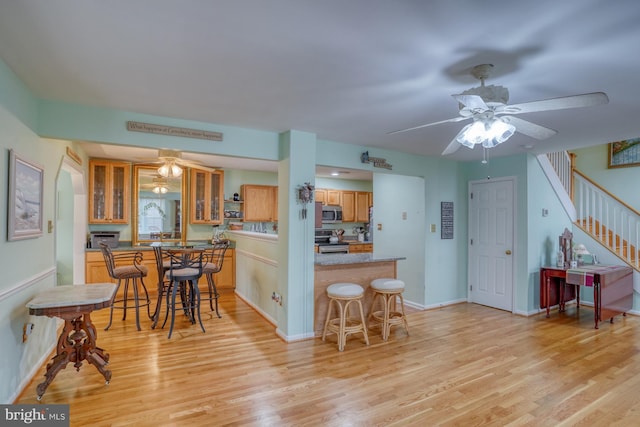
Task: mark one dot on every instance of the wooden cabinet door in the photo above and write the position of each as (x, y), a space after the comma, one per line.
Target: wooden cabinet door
(334, 197)
(206, 204)
(356, 248)
(348, 206)
(321, 195)
(362, 206)
(109, 189)
(260, 203)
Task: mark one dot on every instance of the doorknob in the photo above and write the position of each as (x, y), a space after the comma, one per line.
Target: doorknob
(508, 252)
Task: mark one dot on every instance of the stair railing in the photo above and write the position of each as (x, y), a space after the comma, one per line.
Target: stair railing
(607, 218)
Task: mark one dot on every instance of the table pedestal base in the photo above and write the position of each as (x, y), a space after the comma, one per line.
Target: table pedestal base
(76, 343)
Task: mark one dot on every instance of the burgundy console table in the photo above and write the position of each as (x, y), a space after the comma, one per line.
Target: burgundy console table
(612, 288)
(77, 342)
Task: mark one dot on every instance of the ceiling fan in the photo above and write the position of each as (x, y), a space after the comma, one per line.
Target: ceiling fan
(157, 184)
(493, 119)
(172, 163)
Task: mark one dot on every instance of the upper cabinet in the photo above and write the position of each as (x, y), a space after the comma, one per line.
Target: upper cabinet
(334, 197)
(348, 203)
(260, 203)
(109, 186)
(355, 204)
(321, 195)
(363, 202)
(207, 205)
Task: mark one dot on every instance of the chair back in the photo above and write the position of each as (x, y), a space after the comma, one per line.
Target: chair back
(108, 259)
(215, 256)
(161, 256)
(184, 266)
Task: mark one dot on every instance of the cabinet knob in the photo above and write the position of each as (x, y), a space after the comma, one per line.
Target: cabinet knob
(508, 252)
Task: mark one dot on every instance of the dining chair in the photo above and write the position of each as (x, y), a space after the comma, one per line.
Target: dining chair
(163, 262)
(214, 258)
(185, 269)
(126, 265)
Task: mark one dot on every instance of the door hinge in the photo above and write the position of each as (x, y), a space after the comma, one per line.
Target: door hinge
(471, 195)
(471, 287)
(471, 242)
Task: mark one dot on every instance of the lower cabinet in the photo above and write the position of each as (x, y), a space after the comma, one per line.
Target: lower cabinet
(358, 248)
(96, 270)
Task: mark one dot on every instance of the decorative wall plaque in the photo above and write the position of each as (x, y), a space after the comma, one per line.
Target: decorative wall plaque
(173, 131)
(446, 220)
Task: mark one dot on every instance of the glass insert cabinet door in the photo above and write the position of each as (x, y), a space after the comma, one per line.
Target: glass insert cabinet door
(158, 206)
(109, 184)
(207, 206)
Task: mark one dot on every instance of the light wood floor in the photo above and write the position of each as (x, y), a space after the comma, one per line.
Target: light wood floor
(462, 365)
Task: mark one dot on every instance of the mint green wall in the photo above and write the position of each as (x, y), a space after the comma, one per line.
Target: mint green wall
(543, 248)
(85, 123)
(28, 266)
(16, 98)
(344, 184)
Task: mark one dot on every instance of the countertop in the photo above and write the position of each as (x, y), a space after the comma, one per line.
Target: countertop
(126, 246)
(339, 259)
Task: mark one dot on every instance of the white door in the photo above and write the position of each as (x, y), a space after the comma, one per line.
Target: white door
(491, 208)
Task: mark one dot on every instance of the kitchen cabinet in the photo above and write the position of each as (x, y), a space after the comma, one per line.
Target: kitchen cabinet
(260, 203)
(96, 271)
(363, 202)
(109, 187)
(348, 203)
(358, 248)
(206, 194)
(321, 195)
(334, 197)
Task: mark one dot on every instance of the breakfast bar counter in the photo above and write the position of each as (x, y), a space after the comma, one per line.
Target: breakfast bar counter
(359, 268)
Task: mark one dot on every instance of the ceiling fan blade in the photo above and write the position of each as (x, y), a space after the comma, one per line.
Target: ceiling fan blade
(451, 148)
(575, 101)
(530, 129)
(195, 165)
(473, 102)
(455, 119)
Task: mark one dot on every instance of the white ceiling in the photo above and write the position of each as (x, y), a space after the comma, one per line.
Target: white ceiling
(347, 70)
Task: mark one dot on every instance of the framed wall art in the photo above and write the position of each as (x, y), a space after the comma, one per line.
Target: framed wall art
(624, 153)
(25, 198)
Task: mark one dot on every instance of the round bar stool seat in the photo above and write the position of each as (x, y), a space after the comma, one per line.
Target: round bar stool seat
(387, 291)
(342, 295)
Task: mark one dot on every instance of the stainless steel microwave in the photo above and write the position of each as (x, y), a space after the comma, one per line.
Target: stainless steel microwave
(331, 214)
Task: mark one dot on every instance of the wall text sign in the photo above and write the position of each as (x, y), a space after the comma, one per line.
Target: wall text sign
(378, 162)
(173, 131)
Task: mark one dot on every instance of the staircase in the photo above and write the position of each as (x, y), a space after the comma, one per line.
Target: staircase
(600, 214)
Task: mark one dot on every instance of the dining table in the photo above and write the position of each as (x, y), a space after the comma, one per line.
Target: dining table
(179, 255)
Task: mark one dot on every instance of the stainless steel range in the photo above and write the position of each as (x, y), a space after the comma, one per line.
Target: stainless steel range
(326, 247)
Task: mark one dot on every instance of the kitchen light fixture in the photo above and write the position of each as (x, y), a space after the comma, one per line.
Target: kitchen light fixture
(160, 186)
(488, 131)
(170, 169)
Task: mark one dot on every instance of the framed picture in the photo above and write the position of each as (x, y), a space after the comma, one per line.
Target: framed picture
(624, 153)
(25, 198)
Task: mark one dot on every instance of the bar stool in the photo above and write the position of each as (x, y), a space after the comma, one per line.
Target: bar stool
(127, 266)
(343, 295)
(388, 290)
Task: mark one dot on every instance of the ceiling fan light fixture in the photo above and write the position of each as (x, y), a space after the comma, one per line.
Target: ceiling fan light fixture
(500, 131)
(160, 190)
(170, 169)
(472, 134)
